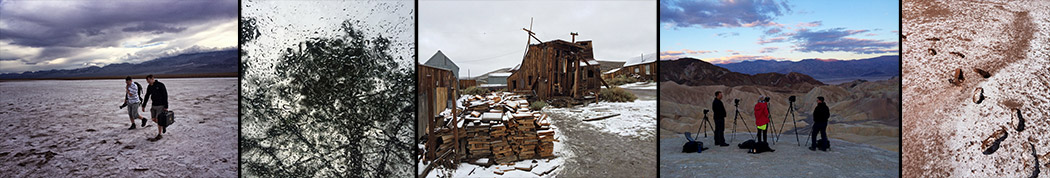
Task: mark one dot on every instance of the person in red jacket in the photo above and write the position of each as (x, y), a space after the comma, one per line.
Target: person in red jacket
(762, 118)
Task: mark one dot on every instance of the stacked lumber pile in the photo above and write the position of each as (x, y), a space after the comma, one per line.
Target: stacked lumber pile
(522, 135)
(500, 147)
(500, 126)
(478, 144)
(546, 136)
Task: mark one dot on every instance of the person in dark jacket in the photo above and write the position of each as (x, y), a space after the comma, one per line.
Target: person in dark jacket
(820, 125)
(160, 103)
(720, 115)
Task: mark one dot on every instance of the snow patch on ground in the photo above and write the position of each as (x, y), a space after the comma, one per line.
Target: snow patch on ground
(640, 86)
(636, 118)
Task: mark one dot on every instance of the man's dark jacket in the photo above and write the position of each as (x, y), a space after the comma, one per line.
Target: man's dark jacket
(720, 110)
(159, 93)
(821, 113)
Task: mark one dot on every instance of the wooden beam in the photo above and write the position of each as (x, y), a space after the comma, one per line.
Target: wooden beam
(533, 35)
(455, 127)
(600, 118)
(599, 78)
(576, 76)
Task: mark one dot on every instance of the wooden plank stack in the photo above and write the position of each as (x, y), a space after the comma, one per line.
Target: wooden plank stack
(500, 145)
(478, 145)
(500, 126)
(546, 137)
(523, 136)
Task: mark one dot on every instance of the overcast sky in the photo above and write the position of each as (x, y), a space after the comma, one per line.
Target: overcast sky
(487, 35)
(44, 35)
(741, 30)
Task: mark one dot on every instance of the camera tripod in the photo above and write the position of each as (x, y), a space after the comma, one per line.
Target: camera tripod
(791, 111)
(736, 116)
(704, 122)
(771, 128)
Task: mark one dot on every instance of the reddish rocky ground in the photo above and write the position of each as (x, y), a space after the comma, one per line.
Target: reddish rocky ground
(946, 133)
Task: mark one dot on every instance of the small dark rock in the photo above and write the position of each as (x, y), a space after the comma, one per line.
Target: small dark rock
(90, 130)
(978, 95)
(1036, 172)
(1020, 120)
(957, 77)
(983, 73)
(991, 144)
(129, 147)
(933, 51)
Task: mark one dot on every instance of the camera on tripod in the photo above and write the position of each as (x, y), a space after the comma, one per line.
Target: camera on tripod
(736, 102)
(791, 99)
(704, 124)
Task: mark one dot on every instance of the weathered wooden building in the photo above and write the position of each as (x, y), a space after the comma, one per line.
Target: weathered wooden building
(467, 83)
(437, 91)
(556, 69)
(645, 70)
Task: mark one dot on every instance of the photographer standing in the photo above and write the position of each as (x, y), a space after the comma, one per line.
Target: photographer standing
(720, 115)
(820, 125)
(762, 118)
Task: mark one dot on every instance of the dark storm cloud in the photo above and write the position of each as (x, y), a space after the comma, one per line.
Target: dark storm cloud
(43, 35)
(837, 39)
(714, 14)
(155, 28)
(102, 23)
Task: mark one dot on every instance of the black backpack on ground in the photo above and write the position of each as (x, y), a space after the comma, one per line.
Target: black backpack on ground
(692, 146)
(749, 144)
(823, 144)
(760, 147)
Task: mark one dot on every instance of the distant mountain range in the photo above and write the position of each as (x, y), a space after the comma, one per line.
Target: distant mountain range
(882, 66)
(695, 72)
(226, 61)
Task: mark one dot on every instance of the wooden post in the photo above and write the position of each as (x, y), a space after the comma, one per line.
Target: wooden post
(455, 127)
(431, 145)
(576, 77)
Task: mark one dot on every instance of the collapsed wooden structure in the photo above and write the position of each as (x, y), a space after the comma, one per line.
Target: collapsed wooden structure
(557, 69)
